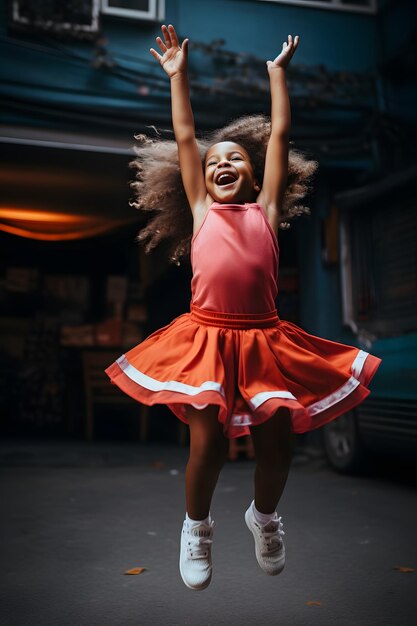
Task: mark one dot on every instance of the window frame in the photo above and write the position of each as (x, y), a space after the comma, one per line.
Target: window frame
(65, 27)
(382, 327)
(155, 13)
(332, 5)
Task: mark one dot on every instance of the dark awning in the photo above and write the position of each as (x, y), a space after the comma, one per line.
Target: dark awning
(373, 190)
(64, 186)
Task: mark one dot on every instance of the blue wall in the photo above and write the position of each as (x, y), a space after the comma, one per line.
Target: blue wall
(338, 40)
(398, 27)
(47, 73)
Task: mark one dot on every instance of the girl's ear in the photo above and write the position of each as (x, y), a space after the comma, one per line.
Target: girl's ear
(256, 186)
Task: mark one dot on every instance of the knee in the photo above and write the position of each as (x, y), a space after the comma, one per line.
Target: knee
(208, 445)
(273, 443)
(209, 450)
(275, 457)
(273, 467)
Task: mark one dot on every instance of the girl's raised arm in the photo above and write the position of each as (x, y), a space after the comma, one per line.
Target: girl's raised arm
(174, 61)
(276, 162)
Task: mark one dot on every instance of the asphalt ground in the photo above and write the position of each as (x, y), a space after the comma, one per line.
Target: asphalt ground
(77, 516)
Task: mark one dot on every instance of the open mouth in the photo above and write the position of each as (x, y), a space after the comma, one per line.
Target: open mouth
(226, 178)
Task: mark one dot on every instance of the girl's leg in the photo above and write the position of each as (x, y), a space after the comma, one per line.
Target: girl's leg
(208, 453)
(273, 444)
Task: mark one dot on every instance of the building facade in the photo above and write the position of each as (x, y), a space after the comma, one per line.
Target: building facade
(77, 85)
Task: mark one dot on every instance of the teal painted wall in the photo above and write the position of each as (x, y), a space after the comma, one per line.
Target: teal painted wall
(335, 39)
(320, 292)
(398, 28)
(44, 71)
(339, 40)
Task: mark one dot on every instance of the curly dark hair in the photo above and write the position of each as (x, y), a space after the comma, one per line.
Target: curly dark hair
(158, 186)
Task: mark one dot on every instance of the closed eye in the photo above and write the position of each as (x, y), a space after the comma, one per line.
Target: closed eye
(236, 157)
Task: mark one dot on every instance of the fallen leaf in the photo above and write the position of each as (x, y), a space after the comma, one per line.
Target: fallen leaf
(313, 603)
(405, 570)
(158, 465)
(136, 570)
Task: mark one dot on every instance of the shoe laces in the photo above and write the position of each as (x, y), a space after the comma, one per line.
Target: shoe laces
(199, 540)
(271, 536)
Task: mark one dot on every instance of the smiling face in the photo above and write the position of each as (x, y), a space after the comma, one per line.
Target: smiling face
(229, 174)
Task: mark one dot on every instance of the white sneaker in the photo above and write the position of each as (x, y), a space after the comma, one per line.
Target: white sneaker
(195, 554)
(269, 546)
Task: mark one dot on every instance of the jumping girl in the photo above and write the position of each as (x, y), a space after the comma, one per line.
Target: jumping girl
(231, 366)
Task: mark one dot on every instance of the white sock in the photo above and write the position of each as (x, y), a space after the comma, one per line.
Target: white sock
(194, 522)
(262, 518)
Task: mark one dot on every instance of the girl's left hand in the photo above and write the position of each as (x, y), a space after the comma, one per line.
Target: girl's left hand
(283, 59)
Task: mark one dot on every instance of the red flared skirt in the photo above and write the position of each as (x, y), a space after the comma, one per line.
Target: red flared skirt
(247, 365)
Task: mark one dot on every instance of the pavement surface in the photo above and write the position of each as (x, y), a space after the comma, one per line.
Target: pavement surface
(76, 516)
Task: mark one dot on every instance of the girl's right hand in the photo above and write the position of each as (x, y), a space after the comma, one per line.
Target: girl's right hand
(174, 58)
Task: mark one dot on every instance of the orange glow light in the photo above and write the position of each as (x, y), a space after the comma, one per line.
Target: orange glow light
(41, 216)
(53, 226)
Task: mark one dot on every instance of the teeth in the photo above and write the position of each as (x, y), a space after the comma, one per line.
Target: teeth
(225, 175)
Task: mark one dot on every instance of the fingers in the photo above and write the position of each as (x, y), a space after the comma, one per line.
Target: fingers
(286, 54)
(167, 36)
(161, 45)
(290, 46)
(155, 54)
(170, 38)
(173, 34)
(293, 44)
(167, 43)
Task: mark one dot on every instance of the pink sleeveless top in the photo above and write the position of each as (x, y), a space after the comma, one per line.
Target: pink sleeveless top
(234, 257)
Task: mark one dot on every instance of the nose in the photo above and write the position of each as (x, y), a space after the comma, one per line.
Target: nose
(223, 163)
